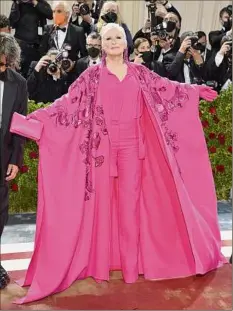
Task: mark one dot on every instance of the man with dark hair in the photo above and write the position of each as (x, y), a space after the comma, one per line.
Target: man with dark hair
(202, 42)
(4, 24)
(216, 36)
(13, 98)
(94, 53)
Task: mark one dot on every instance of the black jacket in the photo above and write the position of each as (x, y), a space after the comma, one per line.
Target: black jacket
(14, 100)
(174, 64)
(141, 34)
(25, 19)
(215, 38)
(42, 87)
(75, 37)
(219, 74)
(81, 65)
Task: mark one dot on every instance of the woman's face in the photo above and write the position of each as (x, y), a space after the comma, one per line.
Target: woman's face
(144, 47)
(110, 7)
(113, 42)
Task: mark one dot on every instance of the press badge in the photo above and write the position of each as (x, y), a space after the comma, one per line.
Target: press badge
(40, 31)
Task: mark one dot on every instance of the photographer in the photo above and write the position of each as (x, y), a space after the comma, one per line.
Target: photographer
(144, 56)
(157, 11)
(83, 15)
(166, 35)
(220, 65)
(188, 64)
(215, 37)
(47, 80)
(28, 18)
(202, 42)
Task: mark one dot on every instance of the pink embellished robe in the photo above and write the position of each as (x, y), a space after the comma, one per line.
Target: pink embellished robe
(77, 229)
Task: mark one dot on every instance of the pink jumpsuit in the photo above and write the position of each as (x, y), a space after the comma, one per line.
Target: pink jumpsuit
(121, 103)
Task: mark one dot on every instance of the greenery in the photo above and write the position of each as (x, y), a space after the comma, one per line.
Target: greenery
(217, 124)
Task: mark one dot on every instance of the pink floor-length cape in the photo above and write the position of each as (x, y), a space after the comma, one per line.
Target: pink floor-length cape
(77, 231)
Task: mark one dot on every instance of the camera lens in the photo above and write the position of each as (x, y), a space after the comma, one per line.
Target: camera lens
(52, 68)
(65, 64)
(84, 9)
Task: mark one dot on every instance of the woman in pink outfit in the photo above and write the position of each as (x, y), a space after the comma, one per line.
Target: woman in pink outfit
(124, 179)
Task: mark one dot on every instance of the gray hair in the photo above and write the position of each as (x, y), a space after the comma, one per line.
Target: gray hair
(65, 4)
(53, 51)
(110, 26)
(10, 48)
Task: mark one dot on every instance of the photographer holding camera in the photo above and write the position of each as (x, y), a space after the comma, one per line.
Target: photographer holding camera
(51, 77)
(188, 64)
(83, 15)
(216, 36)
(157, 12)
(220, 65)
(28, 18)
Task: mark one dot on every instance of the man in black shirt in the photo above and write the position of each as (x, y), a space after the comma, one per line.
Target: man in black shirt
(28, 19)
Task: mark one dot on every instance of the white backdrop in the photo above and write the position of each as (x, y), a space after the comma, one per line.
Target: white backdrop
(196, 15)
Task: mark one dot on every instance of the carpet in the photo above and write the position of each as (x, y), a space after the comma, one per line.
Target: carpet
(212, 291)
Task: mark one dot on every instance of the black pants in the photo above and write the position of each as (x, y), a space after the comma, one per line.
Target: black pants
(4, 206)
(29, 53)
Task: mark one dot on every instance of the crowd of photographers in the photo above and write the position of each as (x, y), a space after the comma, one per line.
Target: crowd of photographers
(53, 56)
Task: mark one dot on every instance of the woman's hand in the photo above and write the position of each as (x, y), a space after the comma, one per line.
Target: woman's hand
(138, 59)
(207, 93)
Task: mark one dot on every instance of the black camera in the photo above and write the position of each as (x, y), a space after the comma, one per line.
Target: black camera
(194, 39)
(211, 83)
(160, 31)
(83, 8)
(164, 29)
(61, 60)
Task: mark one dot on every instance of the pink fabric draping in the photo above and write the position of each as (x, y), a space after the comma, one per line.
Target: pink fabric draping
(77, 218)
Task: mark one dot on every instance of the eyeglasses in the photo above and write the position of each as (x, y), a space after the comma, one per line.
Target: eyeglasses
(93, 46)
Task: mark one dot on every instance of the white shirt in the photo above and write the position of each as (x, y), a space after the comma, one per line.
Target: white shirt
(59, 37)
(94, 61)
(218, 59)
(187, 74)
(163, 51)
(1, 98)
(226, 85)
(203, 54)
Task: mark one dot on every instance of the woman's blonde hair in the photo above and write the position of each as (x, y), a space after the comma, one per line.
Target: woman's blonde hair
(101, 23)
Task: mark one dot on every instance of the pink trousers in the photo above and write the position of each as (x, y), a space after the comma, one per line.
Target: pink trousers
(127, 168)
